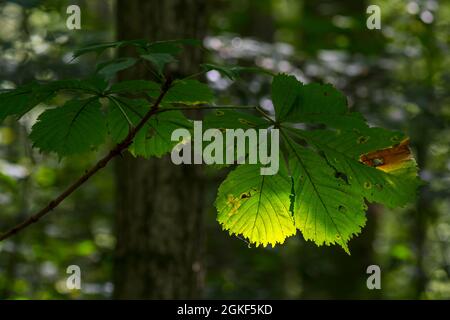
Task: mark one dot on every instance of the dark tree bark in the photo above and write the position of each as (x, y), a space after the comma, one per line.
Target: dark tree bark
(159, 205)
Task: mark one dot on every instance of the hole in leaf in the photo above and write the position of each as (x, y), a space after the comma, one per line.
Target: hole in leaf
(342, 209)
(367, 185)
(219, 113)
(362, 139)
(340, 175)
(378, 162)
(245, 195)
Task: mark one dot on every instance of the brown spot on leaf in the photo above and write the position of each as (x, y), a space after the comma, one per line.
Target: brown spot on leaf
(388, 159)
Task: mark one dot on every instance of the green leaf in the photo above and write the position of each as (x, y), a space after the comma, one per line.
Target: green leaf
(134, 86)
(121, 112)
(334, 172)
(343, 149)
(314, 103)
(98, 48)
(322, 103)
(326, 210)
(101, 47)
(223, 119)
(110, 68)
(154, 139)
(233, 72)
(93, 85)
(172, 47)
(285, 92)
(190, 92)
(159, 60)
(21, 100)
(230, 119)
(256, 206)
(76, 127)
(143, 46)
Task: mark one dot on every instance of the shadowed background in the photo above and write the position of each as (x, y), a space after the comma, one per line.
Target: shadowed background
(147, 229)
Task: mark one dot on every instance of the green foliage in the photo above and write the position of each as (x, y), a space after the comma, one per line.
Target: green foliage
(109, 68)
(321, 189)
(74, 128)
(155, 141)
(330, 182)
(326, 210)
(256, 206)
(143, 46)
(233, 72)
(229, 119)
(21, 100)
(189, 92)
(154, 138)
(134, 86)
(159, 60)
(320, 103)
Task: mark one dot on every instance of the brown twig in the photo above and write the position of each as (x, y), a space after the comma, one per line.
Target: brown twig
(89, 173)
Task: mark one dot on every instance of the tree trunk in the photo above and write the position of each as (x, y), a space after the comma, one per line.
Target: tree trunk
(159, 217)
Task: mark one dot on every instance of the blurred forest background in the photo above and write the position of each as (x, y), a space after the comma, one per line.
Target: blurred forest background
(398, 77)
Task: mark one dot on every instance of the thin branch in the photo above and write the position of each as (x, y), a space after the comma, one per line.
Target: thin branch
(89, 173)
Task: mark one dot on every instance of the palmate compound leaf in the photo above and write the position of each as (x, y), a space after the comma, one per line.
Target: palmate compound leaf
(331, 180)
(334, 172)
(256, 206)
(154, 139)
(76, 127)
